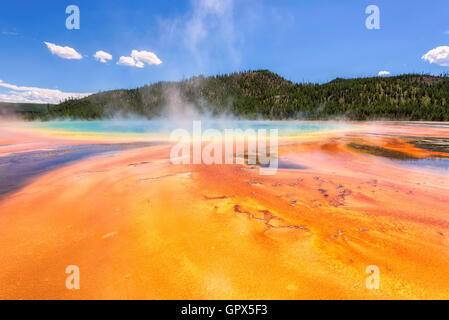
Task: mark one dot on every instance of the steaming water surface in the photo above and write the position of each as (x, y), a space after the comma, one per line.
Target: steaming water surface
(164, 127)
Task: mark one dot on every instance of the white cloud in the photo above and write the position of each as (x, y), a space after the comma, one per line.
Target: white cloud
(102, 56)
(383, 73)
(439, 55)
(63, 52)
(36, 95)
(139, 59)
(130, 62)
(145, 57)
(447, 32)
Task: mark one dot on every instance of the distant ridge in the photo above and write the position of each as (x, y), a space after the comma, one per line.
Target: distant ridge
(26, 110)
(263, 94)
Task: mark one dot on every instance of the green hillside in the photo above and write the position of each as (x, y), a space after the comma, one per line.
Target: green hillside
(25, 110)
(263, 94)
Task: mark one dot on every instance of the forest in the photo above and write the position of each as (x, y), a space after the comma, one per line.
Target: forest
(265, 95)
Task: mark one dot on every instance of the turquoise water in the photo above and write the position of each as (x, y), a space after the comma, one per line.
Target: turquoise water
(166, 126)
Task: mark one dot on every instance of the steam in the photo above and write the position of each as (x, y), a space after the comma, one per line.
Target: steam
(208, 28)
(177, 107)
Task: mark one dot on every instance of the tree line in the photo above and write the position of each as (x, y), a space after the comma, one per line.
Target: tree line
(263, 94)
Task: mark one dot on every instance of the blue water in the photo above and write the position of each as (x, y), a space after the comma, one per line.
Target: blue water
(166, 126)
(433, 164)
(18, 169)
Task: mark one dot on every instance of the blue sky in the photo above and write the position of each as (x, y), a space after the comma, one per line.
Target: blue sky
(312, 41)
